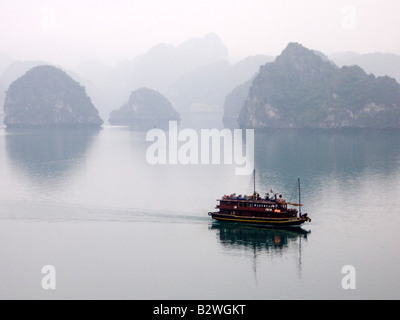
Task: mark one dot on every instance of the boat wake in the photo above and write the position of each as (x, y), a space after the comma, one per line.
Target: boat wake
(66, 212)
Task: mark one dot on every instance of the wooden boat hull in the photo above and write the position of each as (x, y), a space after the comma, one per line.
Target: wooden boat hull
(267, 221)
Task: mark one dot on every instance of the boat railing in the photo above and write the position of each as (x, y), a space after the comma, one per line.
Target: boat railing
(252, 199)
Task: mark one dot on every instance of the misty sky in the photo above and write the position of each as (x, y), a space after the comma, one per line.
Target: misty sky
(66, 32)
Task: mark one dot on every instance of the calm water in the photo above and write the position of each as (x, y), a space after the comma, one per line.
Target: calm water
(114, 227)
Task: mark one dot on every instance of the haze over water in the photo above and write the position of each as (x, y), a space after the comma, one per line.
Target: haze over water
(113, 226)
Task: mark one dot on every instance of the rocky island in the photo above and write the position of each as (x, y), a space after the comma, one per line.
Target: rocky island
(146, 108)
(302, 88)
(47, 96)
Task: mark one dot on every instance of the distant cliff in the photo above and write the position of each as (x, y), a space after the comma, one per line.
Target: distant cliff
(145, 108)
(195, 75)
(47, 96)
(234, 103)
(302, 88)
(209, 85)
(2, 98)
(380, 64)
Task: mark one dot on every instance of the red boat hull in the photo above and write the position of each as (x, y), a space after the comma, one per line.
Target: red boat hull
(267, 221)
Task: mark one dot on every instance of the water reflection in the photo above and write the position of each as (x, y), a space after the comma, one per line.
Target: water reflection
(260, 240)
(283, 155)
(48, 153)
(142, 125)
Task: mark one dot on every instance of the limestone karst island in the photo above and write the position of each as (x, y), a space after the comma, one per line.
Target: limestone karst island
(47, 96)
(145, 108)
(302, 88)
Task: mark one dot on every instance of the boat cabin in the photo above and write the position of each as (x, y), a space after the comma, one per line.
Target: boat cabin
(255, 208)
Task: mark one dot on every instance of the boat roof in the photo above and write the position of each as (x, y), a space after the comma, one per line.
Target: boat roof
(249, 200)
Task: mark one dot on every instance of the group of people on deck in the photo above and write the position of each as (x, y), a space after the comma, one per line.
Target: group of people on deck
(256, 196)
(275, 198)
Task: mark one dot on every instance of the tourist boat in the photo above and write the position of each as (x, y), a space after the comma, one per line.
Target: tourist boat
(266, 211)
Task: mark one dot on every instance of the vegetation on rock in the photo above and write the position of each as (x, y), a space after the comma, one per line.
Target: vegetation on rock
(302, 88)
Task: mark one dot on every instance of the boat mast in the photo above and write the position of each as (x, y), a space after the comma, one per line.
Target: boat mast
(299, 198)
(254, 178)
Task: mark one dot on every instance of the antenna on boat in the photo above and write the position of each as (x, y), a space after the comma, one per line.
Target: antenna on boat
(299, 197)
